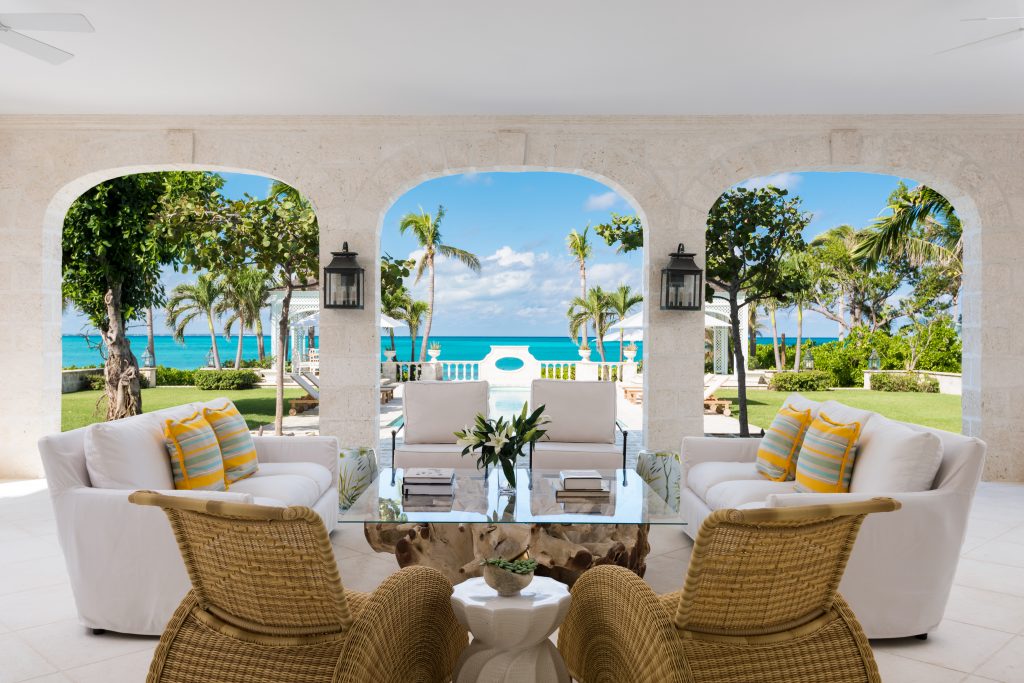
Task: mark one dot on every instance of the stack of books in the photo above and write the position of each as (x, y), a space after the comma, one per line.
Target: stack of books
(583, 486)
(426, 489)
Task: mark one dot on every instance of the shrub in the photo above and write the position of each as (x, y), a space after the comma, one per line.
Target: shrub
(266, 364)
(904, 382)
(225, 380)
(847, 358)
(808, 380)
(173, 377)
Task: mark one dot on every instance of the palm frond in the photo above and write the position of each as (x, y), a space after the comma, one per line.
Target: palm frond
(468, 259)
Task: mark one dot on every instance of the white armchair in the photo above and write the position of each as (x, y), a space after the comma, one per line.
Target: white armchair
(901, 571)
(581, 433)
(122, 559)
(432, 411)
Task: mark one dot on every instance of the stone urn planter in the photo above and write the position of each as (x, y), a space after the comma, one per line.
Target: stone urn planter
(389, 355)
(433, 353)
(629, 353)
(508, 578)
(584, 354)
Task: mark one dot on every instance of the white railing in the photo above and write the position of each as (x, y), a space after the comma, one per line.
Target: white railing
(454, 370)
(557, 369)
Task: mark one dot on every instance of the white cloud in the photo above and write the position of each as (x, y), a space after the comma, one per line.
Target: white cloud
(601, 202)
(507, 256)
(784, 181)
(474, 178)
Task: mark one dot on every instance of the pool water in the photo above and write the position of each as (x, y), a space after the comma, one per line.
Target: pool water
(508, 401)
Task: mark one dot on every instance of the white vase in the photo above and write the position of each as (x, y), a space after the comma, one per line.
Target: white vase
(389, 355)
(585, 354)
(630, 355)
(433, 353)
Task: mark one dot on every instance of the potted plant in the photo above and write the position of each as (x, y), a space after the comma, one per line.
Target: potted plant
(509, 577)
(434, 350)
(629, 351)
(501, 441)
(585, 351)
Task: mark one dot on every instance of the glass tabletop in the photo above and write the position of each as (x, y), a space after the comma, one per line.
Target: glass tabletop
(477, 499)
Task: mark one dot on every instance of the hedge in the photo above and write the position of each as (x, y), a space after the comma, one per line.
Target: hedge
(808, 380)
(173, 377)
(99, 382)
(224, 380)
(904, 382)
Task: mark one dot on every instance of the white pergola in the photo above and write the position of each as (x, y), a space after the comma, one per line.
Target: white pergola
(304, 304)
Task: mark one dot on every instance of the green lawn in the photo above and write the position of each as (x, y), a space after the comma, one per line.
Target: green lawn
(257, 405)
(941, 411)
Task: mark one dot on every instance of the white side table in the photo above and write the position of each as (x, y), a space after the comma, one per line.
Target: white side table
(510, 635)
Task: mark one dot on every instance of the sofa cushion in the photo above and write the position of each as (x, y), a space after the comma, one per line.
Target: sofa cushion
(825, 464)
(704, 475)
(129, 453)
(580, 412)
(801, 402)
(434, 455)
(434, 411)
(732, 494)
(893, 458)
(311, 470)
(236, 445)
(776, 456)
(842, 413)
(557, 455)
(196, 462)
(290, 489)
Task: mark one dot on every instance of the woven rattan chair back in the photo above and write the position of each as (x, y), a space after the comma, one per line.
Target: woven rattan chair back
(758, 572)
(264, 569)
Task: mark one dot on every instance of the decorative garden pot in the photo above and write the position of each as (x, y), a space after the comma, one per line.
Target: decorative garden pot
(433, 353)
(389, 355)
(585, 354)
(630, 355)
(505, 582)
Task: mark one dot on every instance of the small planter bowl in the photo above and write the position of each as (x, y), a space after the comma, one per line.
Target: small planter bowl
(505, 582)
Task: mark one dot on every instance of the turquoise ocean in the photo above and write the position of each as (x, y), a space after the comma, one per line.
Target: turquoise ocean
(192, 353)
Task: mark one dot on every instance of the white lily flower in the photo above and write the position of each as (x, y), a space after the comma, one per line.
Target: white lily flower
(543, 419)
(468, 438)
(497, 442)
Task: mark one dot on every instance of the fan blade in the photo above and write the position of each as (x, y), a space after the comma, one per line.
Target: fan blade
(998, 38)
(989, 18)
(31, 46)
(76, 23)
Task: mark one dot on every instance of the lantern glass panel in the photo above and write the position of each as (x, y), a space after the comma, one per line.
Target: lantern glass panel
(344, 289)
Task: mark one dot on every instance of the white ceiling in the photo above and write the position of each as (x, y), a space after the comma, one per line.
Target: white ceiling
(523, 57)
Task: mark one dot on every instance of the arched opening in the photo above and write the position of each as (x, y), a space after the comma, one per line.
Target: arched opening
(535, 261)
(193, 290)
(845, 280)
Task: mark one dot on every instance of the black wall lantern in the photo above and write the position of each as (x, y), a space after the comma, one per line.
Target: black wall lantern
(343, 280)
(682, 283)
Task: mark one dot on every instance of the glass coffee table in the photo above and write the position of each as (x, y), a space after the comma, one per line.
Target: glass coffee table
(481, 522)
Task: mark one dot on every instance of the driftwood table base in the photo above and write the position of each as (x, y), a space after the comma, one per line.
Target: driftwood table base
(563, 551)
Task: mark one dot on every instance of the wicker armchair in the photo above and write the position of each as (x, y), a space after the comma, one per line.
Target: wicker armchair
(759, 604)
(267, 604)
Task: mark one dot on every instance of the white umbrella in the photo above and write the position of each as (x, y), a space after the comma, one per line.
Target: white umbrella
(389, 323)
(633, 326)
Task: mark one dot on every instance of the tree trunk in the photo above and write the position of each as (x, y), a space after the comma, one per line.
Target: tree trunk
(583, 296)
(261, 350)
(741, 371)
(775, 337)
(150, 341)
(282, 344)
(238, 353)
(799, 335)
(621, 337)
(391, 336)
(600, 343)
(213, 340)
(783, 350)
(430, 310)
(412, 343)
(123, 391)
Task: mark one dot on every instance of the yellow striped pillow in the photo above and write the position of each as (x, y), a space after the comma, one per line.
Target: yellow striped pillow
(776, 456)
(236, 444)
(825, 464)
(196, 462)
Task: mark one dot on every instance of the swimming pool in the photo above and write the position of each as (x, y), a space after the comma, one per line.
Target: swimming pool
(508, 401)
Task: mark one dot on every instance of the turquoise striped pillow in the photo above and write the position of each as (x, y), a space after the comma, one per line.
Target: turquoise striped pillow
(826, 460)
(236, 444)
(776, 455)
(196, 462)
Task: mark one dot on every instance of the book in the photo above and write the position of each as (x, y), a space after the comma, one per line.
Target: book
(602, 491)
(428, 475)
(581, 480)
(427, 489)
(419, 503)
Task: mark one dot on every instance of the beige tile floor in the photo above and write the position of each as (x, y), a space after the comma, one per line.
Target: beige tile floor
(981, 639)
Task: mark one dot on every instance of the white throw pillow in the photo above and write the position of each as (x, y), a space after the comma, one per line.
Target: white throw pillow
(434, 411)
(840, 412)
(802, 403)
(893, 458)
(129, 453)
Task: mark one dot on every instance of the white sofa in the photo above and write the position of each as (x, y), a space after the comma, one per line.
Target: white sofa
(432, 412)
(902, 567)
(122, 559)
(581, 434)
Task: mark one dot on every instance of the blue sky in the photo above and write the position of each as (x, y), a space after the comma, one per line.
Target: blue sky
(517, 224)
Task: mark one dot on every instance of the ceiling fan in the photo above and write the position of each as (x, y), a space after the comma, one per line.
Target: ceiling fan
(1004, 37)
(11, 24)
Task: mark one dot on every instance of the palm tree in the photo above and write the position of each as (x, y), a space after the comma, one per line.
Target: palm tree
(621, 301)
(939, 240)
(245, 296)
(581, 249)
(596, 307)
(189, 301)
(799, 267)
(411, 312)
(427, 230)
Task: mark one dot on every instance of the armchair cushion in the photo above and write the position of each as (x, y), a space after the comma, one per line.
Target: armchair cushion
(433, 455)
(893, 458)
(434, 411)
(196, 462)
(580, 412)
(552, 455)
(704, 475)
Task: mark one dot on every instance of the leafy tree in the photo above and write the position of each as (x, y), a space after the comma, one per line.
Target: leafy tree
(112, 255)
(581, 249)
(749, 233)
(427, 230)
(626, 231)
(190, 301)
(597, 308)
(393, 291)
(622, 300)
